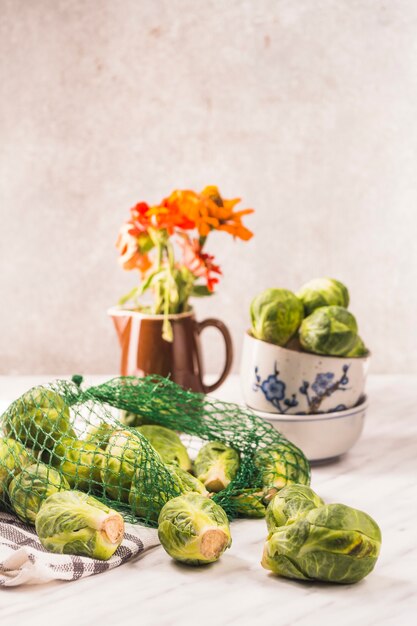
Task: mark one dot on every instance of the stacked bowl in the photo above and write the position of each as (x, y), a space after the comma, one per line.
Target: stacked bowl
(318, 401)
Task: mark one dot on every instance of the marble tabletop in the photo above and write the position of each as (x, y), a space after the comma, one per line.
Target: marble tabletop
(379, 475)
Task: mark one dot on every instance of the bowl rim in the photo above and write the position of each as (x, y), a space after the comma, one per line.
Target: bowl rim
(309, 355)
(314, 417)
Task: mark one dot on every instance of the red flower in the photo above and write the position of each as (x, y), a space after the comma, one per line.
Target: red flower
(199, 263)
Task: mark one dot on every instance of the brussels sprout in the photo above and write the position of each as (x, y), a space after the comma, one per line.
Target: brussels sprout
(31, 487)
(216, 465)
(132, 419)
(167, 443)
(194, 529)
(186, 481)
(329, 330)
(323, 292)
(13, 458)
(276, 315)
(38, 419)
(282, 465)
(333, 543)
(100, 434)
(122, 456)
(289, 505)
(151, 488)
(72, 522)
(359, 348)
(250, 503)
(79, 461)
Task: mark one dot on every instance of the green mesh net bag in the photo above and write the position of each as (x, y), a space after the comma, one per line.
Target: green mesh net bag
(135, 443)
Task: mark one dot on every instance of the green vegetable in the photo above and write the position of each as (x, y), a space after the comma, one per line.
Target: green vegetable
(289, 504)
(79, 461)
(359, 348)
(329, 330)
(323, 292)
(31, 487)
(167, 443)
(149, 492)
(186, 481)
(216, 465)
(38, 419)
(100, 434)
(194, 529)
(281, 465)
(250, 503)
(333, 543)
(13, 458)
(124, 453)
(72, 522)
(276, 315)
(132, 419)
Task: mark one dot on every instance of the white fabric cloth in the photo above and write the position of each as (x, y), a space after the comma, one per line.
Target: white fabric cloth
(23, 559)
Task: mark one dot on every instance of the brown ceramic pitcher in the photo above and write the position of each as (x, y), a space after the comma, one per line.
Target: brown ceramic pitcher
(144, 351)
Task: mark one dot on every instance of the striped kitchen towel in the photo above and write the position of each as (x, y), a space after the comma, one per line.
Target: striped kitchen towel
(23, 559)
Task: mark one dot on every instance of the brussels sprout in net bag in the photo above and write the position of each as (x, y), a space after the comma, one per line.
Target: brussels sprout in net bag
(216, 465)
(168, 444)
(13, 458)
(31, 487)
(38, 419)
(96, 453)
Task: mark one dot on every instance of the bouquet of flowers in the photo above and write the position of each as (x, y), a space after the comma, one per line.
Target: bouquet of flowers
(166, 244)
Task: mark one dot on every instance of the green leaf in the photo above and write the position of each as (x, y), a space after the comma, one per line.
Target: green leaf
(128, 296)
(201, 290)
(150, 280)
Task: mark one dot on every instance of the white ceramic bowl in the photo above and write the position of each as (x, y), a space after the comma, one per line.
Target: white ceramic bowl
(279, 380)
(324, 436)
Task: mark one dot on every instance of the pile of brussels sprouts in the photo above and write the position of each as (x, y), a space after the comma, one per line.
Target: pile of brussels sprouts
(64, 485)
(315, 319)
(52, 479)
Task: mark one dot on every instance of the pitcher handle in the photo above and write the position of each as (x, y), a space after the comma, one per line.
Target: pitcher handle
(229, 351)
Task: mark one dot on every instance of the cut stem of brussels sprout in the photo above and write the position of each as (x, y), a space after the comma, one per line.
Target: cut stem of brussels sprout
(113, 528)
(216, 479)
(213, 543)
(216, 465)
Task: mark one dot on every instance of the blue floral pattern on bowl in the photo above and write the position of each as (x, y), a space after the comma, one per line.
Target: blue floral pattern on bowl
(324, 385)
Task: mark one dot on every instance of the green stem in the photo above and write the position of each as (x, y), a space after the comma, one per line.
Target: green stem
(158, 295)
(202, 240)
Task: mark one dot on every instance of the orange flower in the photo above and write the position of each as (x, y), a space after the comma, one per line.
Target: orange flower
(209, 211)
(131, 257)
(199, 263)
(222, 210)
(161, 217)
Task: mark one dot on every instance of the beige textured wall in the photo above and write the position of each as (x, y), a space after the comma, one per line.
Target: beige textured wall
(305, 108)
